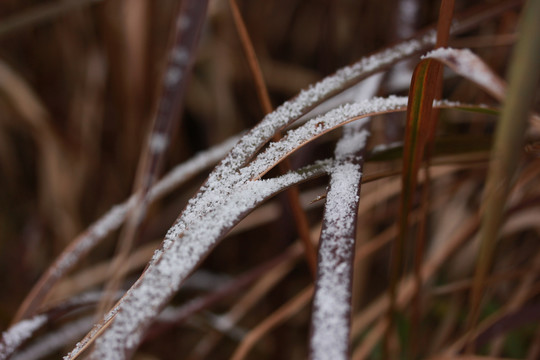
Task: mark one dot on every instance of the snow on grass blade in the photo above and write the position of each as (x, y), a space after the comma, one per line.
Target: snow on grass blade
(194, 229)
(53, 341)
(189, 22)
(24, 329)
(112, 220)
(195, 233)
(18, 333)
(332, 300)
(224, 199)
(330, 325)
(469, 65)
(318, 126)
(294, 139)
(307, 99)
(434, 91)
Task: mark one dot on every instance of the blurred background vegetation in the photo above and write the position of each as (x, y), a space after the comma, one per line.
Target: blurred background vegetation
(79, 85)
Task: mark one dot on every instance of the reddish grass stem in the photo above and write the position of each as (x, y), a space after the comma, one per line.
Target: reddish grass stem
(293, 195)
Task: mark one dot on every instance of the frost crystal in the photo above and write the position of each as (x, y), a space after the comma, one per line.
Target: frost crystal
(230, 192)
(18, 333)
(331, 303)
(467, 64)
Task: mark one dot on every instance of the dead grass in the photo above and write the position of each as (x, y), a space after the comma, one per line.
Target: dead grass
(86, 89)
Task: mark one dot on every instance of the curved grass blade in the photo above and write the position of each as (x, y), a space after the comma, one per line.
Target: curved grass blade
(419, 137)
(467, 64)
(227, 196)
(444, 23)
(185, 246)
(18, 333)
(284, 115)
(314, 128)
(331, 314)
(111, 221)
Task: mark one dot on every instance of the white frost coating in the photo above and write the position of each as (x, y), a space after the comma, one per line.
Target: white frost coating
(332, 296)
(296, 107)
(116, 216)
(360, 91)
(318, 126)
(331, 304)
(350, 143)
(95, 330)
(18, 333)
(470, 66)
(206, 218)
(197, 163)
(56, 340)
(173, 76)
(97, 231)
(226, 195)
(331, 301)
(158, 143)
(448, 103)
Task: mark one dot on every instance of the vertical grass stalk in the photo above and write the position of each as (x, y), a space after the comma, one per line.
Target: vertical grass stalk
(523, 81)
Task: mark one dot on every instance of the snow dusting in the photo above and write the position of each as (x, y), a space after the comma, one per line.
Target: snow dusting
(230, 192)
(18, 333)
(360, 91)
(319, 126)
(54, 341)
(173, 76)
(179, 55)
(307, 99)
(331, 304)
(158, 142)
(467, 64)
(117, 215)
(212, 213)
(332, 298)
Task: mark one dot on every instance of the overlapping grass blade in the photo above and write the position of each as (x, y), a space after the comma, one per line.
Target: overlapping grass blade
(189, 22)
(331, 315)
(227, 196)
(293, 194)
(111, 221)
